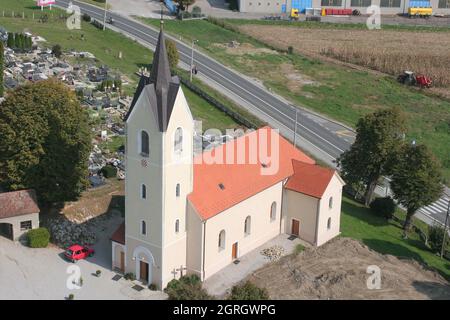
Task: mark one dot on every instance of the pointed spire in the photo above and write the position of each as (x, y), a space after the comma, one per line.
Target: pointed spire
(160, 74)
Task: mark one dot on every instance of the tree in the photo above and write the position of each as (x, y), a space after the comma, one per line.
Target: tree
(416, 180)
(1, 69)
(184, 4)
(56, 50)
(172, 53)
(10, 42)
(378, 138)
(45, 142)
(186, 288)
(248, 291)
(18, 41)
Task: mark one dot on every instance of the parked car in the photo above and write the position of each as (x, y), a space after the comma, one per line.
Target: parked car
(77, 252)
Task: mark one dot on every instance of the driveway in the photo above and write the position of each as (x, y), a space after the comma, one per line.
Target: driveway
(221, 282)
(27, 273)
(142, 8)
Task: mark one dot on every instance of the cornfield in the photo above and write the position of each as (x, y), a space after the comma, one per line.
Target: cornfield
(434, 65)
(387, 51)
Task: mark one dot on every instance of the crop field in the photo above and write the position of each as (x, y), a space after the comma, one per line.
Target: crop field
(388, 51)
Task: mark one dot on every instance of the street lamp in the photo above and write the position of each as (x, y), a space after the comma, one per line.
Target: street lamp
(104, 17)
(192, 57)
(295, 124)
(445, 226)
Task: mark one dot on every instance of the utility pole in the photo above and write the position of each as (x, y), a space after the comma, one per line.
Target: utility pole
(104, 17)
(445, 228)
(192, 58)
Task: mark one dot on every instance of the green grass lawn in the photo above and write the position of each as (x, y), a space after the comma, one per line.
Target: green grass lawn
(106, 45)
(341, 26)
(360, 223)
(339, 92)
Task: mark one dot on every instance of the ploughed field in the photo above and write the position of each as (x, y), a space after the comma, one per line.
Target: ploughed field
(388, 51)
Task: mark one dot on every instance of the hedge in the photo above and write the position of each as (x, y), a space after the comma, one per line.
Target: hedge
(38, 238)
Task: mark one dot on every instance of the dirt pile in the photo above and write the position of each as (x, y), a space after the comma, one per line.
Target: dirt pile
(343, 269)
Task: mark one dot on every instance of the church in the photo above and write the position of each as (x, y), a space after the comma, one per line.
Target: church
(195, 213)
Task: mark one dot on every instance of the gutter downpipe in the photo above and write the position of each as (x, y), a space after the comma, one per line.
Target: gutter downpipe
(203, 255)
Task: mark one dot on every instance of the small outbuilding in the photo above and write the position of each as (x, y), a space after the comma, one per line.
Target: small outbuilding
(19, 212)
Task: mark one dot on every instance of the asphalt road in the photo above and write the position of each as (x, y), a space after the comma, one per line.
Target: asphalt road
(328, 138)
(272, 108)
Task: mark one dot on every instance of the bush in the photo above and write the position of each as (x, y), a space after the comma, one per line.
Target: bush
(109, 171)
(248, 291)
(153, 287)
(186, 288)
(86, 17)
(38, 238)
(129, 276)
(299, 248)
(56, 50)
(196, 10)
(384, 207)
(71, 296)
(290, 50)
(435, 237)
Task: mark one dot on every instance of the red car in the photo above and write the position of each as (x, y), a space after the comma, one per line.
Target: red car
(77, 252)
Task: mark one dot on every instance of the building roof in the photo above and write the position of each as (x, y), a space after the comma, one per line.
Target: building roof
(309, 179)
(219, 186)
(17, 203)
(119, 235)
(159, 88)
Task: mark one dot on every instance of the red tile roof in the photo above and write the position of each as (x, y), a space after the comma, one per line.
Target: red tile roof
(17, 203)
(309, 179)
(119, 234)
(241, 181)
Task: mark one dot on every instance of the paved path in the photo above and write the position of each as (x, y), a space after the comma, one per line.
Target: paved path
(221, 282)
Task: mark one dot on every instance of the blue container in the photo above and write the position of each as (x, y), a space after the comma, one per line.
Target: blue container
(419, 4)
(301, 5)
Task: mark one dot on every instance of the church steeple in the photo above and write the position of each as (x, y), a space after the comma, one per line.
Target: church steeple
(160, 87)
(160, 74)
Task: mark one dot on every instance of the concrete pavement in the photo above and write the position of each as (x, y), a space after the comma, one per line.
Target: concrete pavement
(27, 273)
(221, 282)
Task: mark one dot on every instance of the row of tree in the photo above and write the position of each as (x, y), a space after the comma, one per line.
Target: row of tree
(19, 41)
(1, 68)
(380, 149)
(45, 142)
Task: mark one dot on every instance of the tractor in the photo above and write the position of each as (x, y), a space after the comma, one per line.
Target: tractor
(409, 78)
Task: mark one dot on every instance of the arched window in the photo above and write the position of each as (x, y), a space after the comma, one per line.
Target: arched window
(329, 224)
(178, 141)
(143, 228)
(247, 225)
(222, 240)
(177, 226)
(177, 191)
(145, 144)
(143, 191)
(330, 202)
(273, 211)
